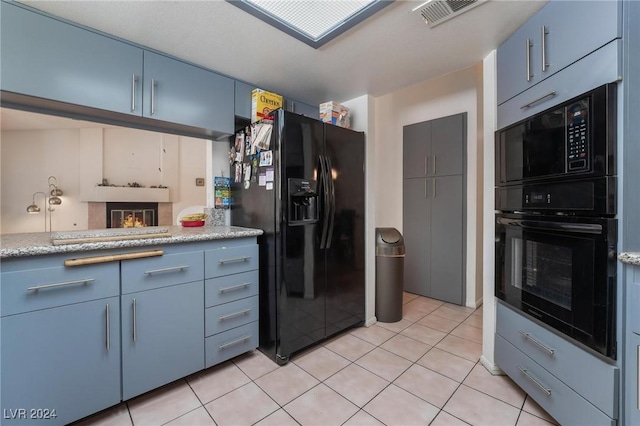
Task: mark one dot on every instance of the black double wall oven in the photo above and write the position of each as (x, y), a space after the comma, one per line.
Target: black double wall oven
(556, 229)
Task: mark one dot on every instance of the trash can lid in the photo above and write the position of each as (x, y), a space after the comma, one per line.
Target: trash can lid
(389, 242)
(389, 235)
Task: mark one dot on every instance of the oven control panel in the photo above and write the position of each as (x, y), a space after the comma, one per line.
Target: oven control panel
(578, 136)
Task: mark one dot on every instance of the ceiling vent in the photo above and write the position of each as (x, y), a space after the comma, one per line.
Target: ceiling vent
(435, 12)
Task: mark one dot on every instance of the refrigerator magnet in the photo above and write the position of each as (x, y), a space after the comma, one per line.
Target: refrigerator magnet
(262, 179)
(266, 158)
(269, 186)
(247, 184)
(247, 172)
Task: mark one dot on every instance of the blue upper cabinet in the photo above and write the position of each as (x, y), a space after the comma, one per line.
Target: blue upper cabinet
(558, 35)
(46, 58)
(181, 93)
(303, 109)
(50, 59)
(243, 99)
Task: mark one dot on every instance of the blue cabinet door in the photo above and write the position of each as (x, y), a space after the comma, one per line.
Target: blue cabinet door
(65, 359)
(517, 63)
(50, 59)
(185, 94)
(162, 336)
(243, 100)
(575, 29)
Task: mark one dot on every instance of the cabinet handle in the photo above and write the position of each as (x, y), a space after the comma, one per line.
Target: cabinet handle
(426, 165)
(534, 380)
(543, 34)
(547, 349)
(153, 96)
(135, 321)
(108, 327)
(163, 270)
(46, 286)
(425, 189)
(133, 92)
(550, 94)
(236, 259)
(233, 288)
(233, 315)
(528, 55)
(235, 342)
(434, 188)
(435, 160)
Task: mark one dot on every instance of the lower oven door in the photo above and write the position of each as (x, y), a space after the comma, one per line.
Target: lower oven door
(562, 271)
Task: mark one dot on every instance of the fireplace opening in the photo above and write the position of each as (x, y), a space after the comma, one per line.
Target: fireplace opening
(132, 215)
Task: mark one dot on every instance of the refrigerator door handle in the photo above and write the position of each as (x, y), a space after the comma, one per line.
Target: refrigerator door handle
(325, 192)
(332, 201)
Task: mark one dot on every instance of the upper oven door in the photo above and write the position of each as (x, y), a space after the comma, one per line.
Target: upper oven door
(571, 140)
(561, 271)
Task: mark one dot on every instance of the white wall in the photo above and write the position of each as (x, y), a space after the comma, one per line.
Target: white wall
(362, 111)
(446, 95)
(488, 272)
(80, 158)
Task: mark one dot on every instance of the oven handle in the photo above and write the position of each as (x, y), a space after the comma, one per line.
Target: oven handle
(581, 228)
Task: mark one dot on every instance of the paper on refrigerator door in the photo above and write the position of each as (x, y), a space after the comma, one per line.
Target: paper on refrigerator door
(262, 135)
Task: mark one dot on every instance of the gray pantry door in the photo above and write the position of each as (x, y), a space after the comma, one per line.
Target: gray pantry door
(434, 207)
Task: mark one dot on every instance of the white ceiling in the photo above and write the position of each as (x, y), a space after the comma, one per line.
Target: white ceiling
(391, 50)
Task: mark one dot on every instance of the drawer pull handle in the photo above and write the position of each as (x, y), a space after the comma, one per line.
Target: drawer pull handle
(107, 315)
(46, 286)
(534, 380)
(233, 288)
(163, 270)
(235, 342)
(235, 314)
(235, 259)
(537, 343)
(135, 320)
(550, 94)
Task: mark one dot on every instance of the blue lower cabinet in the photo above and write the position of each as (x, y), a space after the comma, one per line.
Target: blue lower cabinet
(60, 364)
(226, 345)
(162, 336)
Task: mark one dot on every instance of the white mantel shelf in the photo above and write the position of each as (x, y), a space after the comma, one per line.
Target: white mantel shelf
(109, 194)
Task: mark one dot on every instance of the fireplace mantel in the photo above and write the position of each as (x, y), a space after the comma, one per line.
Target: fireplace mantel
(127, 194)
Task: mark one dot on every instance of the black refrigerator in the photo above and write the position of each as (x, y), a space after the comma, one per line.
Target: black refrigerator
(306, 191)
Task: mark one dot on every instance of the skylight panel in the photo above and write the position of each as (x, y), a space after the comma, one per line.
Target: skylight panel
(314, 22)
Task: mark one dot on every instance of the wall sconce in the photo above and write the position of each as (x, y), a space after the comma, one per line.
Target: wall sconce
(50, 200)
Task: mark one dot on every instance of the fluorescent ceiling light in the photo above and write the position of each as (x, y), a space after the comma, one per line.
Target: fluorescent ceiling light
(314, 22)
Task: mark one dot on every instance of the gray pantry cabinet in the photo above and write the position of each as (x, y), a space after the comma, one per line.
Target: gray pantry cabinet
(558, 35)
(47, 58)
(80, 339)
(433, 207)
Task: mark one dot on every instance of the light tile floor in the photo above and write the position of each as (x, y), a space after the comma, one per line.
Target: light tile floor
(422, 370)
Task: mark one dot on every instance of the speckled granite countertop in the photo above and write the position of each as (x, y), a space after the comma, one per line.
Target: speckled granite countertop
(630, 258)
(39, 243)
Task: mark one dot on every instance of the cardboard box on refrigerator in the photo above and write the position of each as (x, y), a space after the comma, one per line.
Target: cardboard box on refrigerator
(334, 113)
(262, 103)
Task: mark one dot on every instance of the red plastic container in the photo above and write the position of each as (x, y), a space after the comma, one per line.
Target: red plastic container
(189, 223)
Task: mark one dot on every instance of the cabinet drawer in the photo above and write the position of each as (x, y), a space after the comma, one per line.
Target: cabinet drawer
(224, 346)
(591, 377)
(230, 315)
(559, 400)
(230, 287)
(162, 271)
(594, 70)
(227, 261)
(24, 291)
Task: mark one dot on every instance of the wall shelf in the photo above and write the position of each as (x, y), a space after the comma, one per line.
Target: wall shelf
(127, 194)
